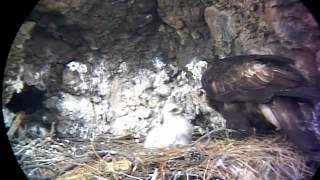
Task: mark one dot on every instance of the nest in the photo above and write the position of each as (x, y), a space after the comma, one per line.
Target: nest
(267, 157)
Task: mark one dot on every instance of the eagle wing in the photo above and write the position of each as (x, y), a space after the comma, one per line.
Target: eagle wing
(251, 78)
(269, 82)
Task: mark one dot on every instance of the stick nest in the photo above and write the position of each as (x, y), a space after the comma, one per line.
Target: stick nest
(267, 157)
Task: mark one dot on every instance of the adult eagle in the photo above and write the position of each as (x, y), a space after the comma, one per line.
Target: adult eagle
(249, 88)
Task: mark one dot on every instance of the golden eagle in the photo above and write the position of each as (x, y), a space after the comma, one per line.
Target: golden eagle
(248, 88)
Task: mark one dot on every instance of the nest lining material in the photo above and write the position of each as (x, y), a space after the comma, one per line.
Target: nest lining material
(267, 157)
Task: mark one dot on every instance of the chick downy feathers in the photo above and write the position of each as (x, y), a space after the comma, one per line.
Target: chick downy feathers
(175, 130)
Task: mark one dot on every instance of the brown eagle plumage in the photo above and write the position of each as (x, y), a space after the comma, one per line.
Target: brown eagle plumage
(249, 88)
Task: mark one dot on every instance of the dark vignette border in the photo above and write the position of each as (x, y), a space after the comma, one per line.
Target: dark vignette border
(12, 15)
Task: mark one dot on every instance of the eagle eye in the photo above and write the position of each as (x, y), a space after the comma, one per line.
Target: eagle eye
(175, 110)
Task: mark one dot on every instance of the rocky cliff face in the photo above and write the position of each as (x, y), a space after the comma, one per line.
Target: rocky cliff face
(266, 27)
(110, 66)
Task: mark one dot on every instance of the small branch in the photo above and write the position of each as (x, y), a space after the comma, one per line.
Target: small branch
(133, 177)
(21, 116)
(155, 174)
(52, 129)
(208, 134)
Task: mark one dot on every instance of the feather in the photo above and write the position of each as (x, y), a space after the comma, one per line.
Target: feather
(263, 89)
(289, 115)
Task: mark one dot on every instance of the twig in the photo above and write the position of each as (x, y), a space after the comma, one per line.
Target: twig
(288, 174)
(21, 116)
(39, 166)
(155, 174)
(208, 134)
(86, 165)
(206, 170)
(99, 177)
(133, 177)
(95, 152)
(52, 129)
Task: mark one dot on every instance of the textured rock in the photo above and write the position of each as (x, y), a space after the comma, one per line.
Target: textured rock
(102, 99)
(186, 18)
(14, 73)
(235, 30)
(266, 27)
(110, 66)
(298, 33)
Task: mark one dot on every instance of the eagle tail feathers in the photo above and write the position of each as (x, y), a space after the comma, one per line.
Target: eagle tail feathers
(291, 120)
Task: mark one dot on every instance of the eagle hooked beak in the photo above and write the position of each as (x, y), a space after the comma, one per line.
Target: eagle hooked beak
(176, 110)
(169, 109)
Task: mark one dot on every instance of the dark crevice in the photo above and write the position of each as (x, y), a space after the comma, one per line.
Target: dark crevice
(28, 100)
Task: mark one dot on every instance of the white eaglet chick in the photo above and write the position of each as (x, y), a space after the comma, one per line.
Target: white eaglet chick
(175, 130)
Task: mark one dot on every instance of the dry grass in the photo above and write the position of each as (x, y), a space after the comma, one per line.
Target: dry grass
(263, 157)
(268, 157)
(253, 158)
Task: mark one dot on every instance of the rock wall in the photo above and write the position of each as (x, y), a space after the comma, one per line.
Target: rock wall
(110, 66)
(266, 27)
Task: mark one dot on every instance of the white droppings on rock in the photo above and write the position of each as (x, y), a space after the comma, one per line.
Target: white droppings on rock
(75, 105)
(83, 86)
(127, 124)
(157, 63)
(124, 102)
(121, 110)
(75, 77)
(197, 67)
(144, 112)
(44, 118)
(16, 85)
(123, 67)
(163, 90)
(99, 79)
(77, 66)
(182, 79)
(131, 102)
(161, 78)
(154, 101)
(37, 76)
(7, 116)
(103, 88)
(142, 81)
(81, 116)
(101, 109)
